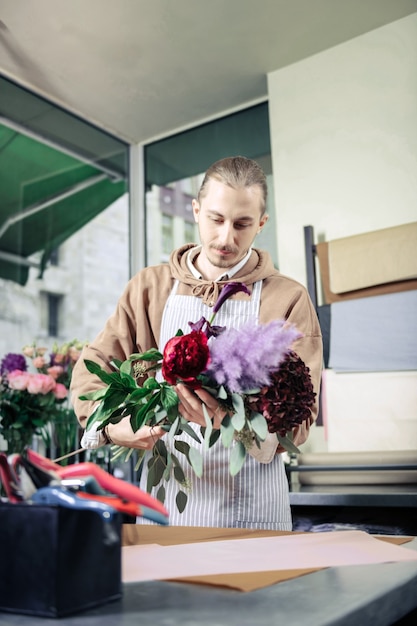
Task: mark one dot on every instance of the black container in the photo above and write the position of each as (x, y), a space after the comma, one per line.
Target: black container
(56, 561)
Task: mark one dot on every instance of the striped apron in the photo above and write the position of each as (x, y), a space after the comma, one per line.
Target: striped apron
(258, 496)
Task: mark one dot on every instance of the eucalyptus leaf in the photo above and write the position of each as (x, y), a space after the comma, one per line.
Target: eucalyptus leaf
(160, 494)
(181, 501)
(214, 437)
(186, 428)
(173, 429)
(239, 417)
(222, 393)
(227, 431)
(209, 427)
(287, 443)
(183, 447)
(259, 425)
(196, 461)
(161, 449)
(237, 458)
(179, 474)
(156, 468)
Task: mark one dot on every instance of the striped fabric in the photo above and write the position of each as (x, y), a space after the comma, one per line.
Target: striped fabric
(258, 496)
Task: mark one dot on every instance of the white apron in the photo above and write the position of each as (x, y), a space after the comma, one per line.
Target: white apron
(258, 496)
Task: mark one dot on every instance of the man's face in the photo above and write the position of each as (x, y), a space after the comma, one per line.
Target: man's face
(228, 222)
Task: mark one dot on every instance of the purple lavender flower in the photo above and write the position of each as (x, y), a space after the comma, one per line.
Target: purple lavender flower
(12, 362)
(244, 359)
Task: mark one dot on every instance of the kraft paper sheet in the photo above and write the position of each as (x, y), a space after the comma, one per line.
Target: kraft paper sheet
(162, 551)
(374, 258)
(331, 296)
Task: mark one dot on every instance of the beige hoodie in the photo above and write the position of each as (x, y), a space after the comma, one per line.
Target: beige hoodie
(136, 322)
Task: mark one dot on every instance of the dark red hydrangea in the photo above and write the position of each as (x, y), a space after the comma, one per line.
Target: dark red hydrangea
(185, 357)
(290, 397)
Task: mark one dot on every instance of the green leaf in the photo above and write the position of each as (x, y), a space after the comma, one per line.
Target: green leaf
(173, 429)
(181, 501)
(150, 355)
(186, 428)
(94, 395)
(214, 437)
(169, 398)
(227, 431)
(239, 417)
(126, 368)
(237, 458)
(142, 414)
(151, 383)
(179, 474)
(94, 368)
(139, 393)
(156, 468)
(161, 449)
(160, 494)
(286, 442)
(183, 447)
(196, 461)
(259, 425)
(222, 393)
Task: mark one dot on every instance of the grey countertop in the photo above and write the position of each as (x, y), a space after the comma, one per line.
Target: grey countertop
(354, 495)
(377, 595)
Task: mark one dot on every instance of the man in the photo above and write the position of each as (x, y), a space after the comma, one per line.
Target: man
(230, 211)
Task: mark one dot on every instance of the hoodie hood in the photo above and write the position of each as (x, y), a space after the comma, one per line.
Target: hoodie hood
(259, 267)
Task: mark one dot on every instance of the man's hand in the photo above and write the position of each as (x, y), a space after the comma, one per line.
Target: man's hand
(191, 406)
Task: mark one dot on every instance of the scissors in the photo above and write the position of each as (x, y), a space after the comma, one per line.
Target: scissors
(92, 483)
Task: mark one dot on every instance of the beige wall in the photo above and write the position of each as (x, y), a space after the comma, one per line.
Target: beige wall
(344, 140)
(344, 153)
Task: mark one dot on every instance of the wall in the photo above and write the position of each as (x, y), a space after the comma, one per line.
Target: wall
(344, 140)
(344, 144)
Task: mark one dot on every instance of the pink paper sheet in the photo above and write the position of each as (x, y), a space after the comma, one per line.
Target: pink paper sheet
(309, 550)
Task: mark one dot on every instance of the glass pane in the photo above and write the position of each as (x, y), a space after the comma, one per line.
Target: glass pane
(64, 233)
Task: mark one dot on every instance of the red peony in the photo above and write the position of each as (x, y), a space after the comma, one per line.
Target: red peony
(290, 397)
(185, 357)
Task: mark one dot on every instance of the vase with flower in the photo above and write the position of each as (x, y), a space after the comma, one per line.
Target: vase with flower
(34, 397)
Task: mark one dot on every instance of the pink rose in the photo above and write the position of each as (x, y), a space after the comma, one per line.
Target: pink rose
(29, 351)
(18, 380)
(41, 383)
(58, 357)
(55, 371)
(60, 391)
(39, 362)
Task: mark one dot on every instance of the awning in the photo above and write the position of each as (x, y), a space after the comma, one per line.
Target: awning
(45, 197)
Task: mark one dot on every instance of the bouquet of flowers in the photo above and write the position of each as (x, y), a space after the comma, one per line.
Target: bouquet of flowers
(260, 383)
(30, 400)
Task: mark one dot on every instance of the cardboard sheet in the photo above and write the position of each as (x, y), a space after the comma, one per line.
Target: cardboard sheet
(374, 258)
(331, 296)
(252, 562)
